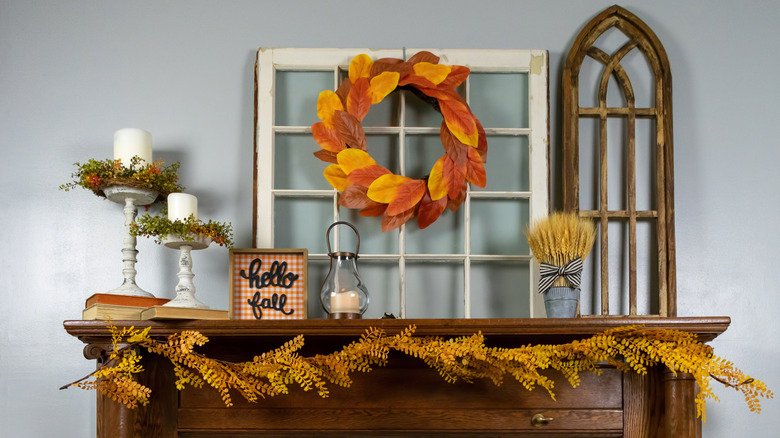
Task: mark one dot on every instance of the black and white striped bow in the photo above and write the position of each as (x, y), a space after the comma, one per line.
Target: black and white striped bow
(572, 272)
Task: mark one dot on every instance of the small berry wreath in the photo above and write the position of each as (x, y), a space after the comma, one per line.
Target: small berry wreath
(372, 188)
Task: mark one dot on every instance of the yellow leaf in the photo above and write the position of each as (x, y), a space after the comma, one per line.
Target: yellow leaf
(385, 188)
(351, 159)
(435, 73)
(327, 105)
(437, 186)
(382, 85)
(336, 177)
(360, 67)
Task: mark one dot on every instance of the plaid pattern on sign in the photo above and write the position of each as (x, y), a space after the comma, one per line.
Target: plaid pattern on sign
(248, 269)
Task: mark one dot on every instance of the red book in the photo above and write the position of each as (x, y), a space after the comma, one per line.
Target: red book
(125, 300)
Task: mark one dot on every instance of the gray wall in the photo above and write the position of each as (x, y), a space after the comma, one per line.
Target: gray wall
(72, 72)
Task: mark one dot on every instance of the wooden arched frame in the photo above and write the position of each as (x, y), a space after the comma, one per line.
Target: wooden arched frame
(642, 38)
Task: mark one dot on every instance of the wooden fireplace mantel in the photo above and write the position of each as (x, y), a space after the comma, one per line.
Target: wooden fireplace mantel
(406, 397)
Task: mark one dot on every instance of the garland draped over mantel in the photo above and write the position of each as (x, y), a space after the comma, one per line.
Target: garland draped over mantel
(629, 348)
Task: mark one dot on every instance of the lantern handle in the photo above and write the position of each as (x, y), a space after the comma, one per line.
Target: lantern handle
(327, 236)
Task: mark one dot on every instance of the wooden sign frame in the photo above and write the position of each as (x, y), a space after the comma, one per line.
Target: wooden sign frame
(268, 284)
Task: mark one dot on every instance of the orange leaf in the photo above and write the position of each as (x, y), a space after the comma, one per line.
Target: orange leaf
(343, 91)
(375, 209)
(359, 100)
(423, 56)
(435, 73)
(454, 175)
(351, 159)
(349, 130)
(482, 145)
(475, 169)
(385, 188)
(336, 177)
(437, 185)
(360, 67)
(418, 81)
(460, 121)
(383, 85)
(430, 210)
(326, 156)
(444, 94)
(408, 195)
(456, 77)
(392, 222)
(326, 137)
(390, 64)
(327, 104)
(456, 150)
(366, 175)
(355, 197)
(454, 203)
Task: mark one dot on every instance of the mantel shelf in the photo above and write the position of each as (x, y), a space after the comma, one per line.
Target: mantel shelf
(522, 329)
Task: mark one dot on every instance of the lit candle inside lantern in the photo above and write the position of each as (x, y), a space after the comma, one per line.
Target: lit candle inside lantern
(344, 302)
(131, 142)
(181, 206)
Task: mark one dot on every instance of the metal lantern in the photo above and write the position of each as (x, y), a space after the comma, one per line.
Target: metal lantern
(343, 294)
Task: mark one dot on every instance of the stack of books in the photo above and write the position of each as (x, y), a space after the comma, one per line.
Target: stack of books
(126, 307)
(105, 306)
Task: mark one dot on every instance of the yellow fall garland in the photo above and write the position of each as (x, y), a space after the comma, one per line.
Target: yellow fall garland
(467, 358)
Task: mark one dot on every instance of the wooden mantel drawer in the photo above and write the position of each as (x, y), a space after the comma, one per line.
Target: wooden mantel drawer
(416, 400)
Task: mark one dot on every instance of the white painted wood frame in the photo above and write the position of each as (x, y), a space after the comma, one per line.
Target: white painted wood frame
(532, 62)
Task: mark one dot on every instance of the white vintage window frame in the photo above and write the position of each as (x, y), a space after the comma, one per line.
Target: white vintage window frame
(533, 62)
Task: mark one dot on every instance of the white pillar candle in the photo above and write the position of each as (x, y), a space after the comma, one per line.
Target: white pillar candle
(181, 206)
(131, 142)
(344, 302)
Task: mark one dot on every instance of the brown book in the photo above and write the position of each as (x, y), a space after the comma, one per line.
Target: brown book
(165, 312)
(113, 311)
(125, 300)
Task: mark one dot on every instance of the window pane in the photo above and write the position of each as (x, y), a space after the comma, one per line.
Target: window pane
(497, 226)
(294, 165)
(317, 271)
(500, 289)
(384, 150)
(372, 239)
(421, 153)
(381, 280)
(302, 222)
(507, 165)
(445, 236)
(296, 96)
(434, 290)
(385, 113)
(499, 100)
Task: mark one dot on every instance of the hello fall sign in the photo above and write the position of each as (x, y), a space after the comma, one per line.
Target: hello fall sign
(268, 284)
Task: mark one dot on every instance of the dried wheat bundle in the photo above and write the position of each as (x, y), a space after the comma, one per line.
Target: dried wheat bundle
(560, 238)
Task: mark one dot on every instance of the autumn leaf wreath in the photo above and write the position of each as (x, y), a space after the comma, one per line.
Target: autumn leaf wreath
(373, 189)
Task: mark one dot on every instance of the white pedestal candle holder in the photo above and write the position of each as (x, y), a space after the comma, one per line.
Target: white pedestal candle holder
(185, 289)
(131, 198)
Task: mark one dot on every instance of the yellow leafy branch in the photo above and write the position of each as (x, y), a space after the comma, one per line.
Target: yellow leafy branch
(467, 358)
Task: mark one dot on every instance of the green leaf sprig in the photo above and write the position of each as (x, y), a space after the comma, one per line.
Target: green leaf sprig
(160, 227)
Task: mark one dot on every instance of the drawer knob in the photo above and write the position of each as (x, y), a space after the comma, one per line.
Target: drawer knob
(540, 420)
